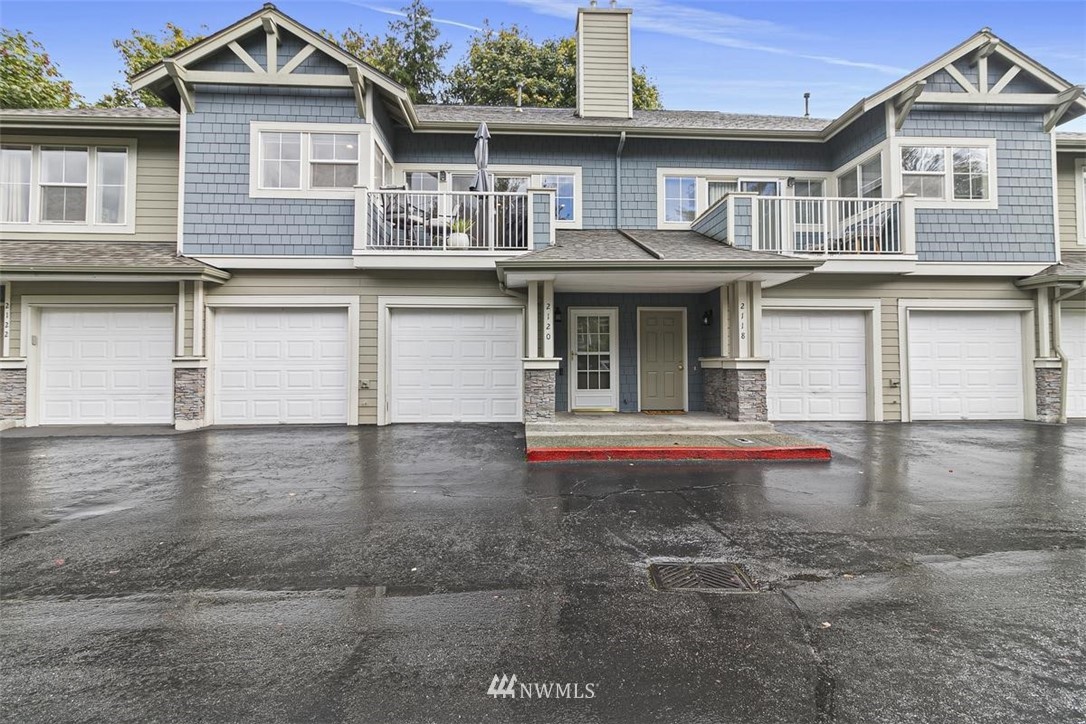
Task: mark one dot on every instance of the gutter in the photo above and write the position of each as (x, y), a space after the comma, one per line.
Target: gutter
(660, 264)
(37, 123)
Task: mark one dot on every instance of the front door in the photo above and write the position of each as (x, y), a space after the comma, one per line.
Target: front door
(593, 359)
(663, 359)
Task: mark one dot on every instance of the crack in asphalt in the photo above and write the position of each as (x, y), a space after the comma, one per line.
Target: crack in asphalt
(825, 682)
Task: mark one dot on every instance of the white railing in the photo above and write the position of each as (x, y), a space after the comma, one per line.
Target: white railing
(397, 220)
(831, 226)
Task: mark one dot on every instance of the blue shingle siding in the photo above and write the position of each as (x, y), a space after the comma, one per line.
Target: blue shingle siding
(382, 125)
(220, 218)
(744, 230)
(942, 82)
(542, 219)
(317, 64)
(1022, 228)
(714, 223)
(698, 338)
(861, 135)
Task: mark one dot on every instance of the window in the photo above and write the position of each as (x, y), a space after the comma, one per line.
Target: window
(422, 180)
(76, 188)
(808, 211)
(511, 184)
(1080, 201)
(863, 180)
(292, 160)
(946, 172)
(719, 189)
(565, 199)
(680, 199)
(15, 184)
(333, 160)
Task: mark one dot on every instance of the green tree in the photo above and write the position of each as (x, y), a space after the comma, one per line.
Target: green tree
(28, 76)
(139, 53)
(409, 53)
(497, 60)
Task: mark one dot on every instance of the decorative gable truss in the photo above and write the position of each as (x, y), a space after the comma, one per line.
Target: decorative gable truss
(984, 70)
(289, 55)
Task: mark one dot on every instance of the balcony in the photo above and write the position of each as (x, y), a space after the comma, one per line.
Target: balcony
(393, 222)
(831, 228)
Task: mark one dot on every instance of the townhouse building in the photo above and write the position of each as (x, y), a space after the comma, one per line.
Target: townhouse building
(293, 240)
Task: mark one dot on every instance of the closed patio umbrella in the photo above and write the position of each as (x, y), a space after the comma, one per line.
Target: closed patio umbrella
(481, 184)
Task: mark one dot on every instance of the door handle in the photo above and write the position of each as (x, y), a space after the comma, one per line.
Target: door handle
(680, 367)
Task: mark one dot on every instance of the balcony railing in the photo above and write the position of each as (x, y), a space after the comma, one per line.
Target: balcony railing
(442, 221)
(828, 227)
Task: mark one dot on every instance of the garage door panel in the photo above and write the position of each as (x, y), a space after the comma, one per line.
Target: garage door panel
(281, 366)
(455, 365)
(818, 364)
(106, 366)
(965, 365)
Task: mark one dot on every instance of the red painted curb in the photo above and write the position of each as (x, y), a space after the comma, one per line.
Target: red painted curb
(561, 454)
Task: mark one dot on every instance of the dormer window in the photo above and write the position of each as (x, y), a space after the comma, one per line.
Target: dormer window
(66, 187)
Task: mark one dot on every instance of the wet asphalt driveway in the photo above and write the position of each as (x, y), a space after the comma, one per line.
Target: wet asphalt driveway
(386, 575)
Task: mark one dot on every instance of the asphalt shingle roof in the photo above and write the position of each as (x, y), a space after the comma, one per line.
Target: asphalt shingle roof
(672, 246)
(123, 113)
(1072, 265)
(672, 120)
(127, 255)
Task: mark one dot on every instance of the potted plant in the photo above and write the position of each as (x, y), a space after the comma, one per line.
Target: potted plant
(458, 234)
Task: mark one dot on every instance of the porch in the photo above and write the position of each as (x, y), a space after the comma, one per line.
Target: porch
(646, 322)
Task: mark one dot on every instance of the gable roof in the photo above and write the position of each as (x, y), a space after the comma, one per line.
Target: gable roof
(157, 78)
(983, 40)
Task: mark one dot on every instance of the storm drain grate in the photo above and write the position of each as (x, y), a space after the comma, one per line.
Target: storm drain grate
(719, 577)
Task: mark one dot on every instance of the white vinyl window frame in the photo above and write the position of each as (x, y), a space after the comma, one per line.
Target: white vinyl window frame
(535, 175)
(948, 144)
(1080, 200)
(91, 223)
(706, 176)
(305, 189)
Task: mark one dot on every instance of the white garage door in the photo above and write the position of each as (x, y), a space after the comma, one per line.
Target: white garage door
(106, 366)
(965, 366)
(818, 364)
(455, 365)
(1073, 329)
(280, 365)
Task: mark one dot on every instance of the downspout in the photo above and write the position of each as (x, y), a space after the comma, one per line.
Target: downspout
(618, 179)
(1057, 330)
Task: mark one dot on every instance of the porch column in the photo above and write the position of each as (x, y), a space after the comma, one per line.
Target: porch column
(735, 381)
(540, 365)
(190, 370)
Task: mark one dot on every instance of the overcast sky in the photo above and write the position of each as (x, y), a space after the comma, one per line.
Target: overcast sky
(755, 57)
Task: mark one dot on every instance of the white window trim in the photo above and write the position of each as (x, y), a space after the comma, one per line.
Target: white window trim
(1080, 200)
(705, 175)
(91, 225)
(305, 192)
(402, 169)
(948, 202)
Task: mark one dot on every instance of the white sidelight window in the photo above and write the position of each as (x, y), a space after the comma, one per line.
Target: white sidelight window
(680, 199)
(319, 161)
(67, 188)
(947, 172)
